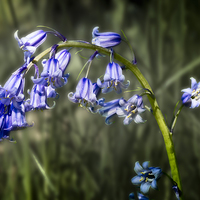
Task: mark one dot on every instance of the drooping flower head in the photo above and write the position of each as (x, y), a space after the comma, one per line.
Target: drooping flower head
(177, 191)
(13, 86)
(113, 79)
(53, 70)
(105, 39)
(191, 96)
(38, 97)
(84, 94)
(12, 116)
(16, 120)
(131, 110)
(139, 196)
(146, 176)
(108, 110)
(30, 42)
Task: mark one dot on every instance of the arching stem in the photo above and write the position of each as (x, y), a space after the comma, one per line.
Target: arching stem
(155, 108)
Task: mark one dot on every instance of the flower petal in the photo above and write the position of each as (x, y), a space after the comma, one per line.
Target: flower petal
(144, 187)
(138, 168)
(136, 180)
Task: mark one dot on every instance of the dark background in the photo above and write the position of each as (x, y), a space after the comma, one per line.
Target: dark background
(82, 157)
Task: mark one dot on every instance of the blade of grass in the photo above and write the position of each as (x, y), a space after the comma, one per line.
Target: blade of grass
(51, 186)
(178, 75)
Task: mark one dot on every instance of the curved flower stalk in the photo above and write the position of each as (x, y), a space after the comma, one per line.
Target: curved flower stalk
(131, 110)
(139, 196)
(191, 96)
(53, 72)
(84, 94)
(146, 176)
(154, 105)
(109, 109)
(79, 98)
(105, 39)
(113, 79)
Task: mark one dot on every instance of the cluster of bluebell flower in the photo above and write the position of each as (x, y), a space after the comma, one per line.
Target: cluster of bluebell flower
(14, 105)
(12, 99)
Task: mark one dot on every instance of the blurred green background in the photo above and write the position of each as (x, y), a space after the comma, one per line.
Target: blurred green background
(82, 157)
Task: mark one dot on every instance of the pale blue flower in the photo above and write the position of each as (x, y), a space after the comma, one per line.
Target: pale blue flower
(131, 110)
(191, 96)
(146, 176)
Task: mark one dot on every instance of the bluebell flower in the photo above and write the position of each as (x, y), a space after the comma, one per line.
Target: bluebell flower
(12, 116)
(63, 58)
(131, 110)
(51, 93)
(113, 79)
(38, 98)
(30, 42)
(146, 176)
(12, 103)
(84, 94)
(139, 195)
(105, 39)
(191, 96)
(108, 109)
(16, 120)
(53, 72)
(177, 191)
(13, 86)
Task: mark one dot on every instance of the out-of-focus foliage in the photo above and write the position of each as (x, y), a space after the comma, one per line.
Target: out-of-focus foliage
(83, 158)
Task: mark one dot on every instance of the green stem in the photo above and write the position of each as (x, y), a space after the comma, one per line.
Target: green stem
(156, 110)
(175, 119)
